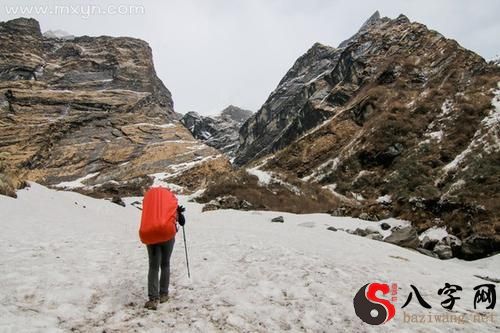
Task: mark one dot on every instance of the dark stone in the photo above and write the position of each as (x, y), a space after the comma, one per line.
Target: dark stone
(118, 201)
(278, 219)
(360, 232)
(388, 76)
(476, 247)
(362, 112)
(427, 243)
(405, 237)
(443, 251)
(385, 226)
(380, 158)
(452, 241)
(332, 229)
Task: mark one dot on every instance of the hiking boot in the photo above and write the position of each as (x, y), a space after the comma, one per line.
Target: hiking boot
(163, 298)
(152, 304)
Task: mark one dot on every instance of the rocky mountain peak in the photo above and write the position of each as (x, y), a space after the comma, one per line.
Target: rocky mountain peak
(301, 69)
(22, 25)
(373, 19)
(220, 131)
(403, 18)
(306, 85)
(236, 113)
(325, 78)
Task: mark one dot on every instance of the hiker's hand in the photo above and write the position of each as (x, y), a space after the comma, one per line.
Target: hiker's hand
(181, 219)
(181, 209)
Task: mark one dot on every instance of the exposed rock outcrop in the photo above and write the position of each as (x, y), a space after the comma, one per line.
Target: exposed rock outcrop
(294, 107)
(406, 237)
(9, 179)
(221, 131)
(87, 113)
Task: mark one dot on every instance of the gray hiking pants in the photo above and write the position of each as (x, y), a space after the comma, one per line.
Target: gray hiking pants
(159, 256)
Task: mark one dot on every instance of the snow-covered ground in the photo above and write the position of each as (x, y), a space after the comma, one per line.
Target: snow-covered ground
(69, 262)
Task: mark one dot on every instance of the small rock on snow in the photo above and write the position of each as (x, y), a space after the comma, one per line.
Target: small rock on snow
(118, 201)
(406, 237)
(278, 219)
(385, 226)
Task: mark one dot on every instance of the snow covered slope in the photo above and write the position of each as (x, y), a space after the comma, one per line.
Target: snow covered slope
(70, 262)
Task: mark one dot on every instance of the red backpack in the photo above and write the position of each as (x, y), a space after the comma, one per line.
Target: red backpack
(159, 216)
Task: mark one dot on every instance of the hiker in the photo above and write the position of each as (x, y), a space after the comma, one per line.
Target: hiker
(160, 214)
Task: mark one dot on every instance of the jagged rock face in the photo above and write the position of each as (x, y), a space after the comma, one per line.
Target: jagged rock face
(236, 114)
(220, 132)
(321, 80)
(293, 108)
(409, 114)
(89, 105)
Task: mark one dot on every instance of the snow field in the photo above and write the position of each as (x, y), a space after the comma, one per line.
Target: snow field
(65, 267)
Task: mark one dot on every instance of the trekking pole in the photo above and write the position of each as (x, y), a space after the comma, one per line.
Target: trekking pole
(186, 249)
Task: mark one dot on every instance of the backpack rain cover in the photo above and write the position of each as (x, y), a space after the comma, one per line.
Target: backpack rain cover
(159, 216)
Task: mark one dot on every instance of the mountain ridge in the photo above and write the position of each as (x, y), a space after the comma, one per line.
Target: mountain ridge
(398, 111)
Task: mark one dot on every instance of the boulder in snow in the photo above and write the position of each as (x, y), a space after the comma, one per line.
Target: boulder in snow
(443, 251)
(278, 219)
(406, 237)
(428, 243)
(117, 200)
(385, 226)
(359, 232)
(477, 246)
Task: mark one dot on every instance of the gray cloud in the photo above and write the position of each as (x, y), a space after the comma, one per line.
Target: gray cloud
(211, 53)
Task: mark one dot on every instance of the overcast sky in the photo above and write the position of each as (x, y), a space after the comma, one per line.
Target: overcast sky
(212, 53)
